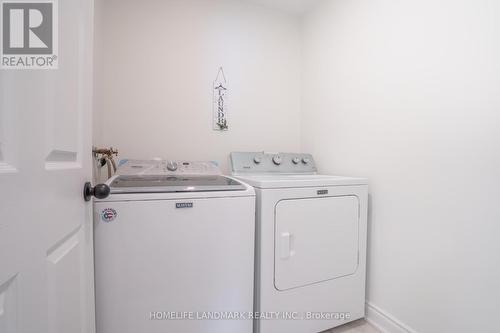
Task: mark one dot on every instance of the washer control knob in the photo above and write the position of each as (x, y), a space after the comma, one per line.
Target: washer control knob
(172, 166)
(296, 160)
(277, 159)
(257, 159)
(306, 160)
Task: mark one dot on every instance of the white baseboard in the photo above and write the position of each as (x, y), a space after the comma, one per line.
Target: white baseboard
(384, 321)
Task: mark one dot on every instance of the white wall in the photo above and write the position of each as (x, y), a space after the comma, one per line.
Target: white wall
(155, 64)
(407, 93)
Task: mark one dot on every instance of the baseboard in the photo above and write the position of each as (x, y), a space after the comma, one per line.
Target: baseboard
(384, 321)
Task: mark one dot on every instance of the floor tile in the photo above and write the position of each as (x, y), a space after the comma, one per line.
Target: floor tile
(358, 326)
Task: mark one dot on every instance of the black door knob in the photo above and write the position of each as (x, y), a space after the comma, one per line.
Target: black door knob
(100, 191)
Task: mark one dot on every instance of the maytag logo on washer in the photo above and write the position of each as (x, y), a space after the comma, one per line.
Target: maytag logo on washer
(184, 205)
(29, 34)
(108, 215)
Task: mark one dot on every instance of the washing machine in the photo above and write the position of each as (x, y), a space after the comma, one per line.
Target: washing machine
(174, 250)
(311, 234)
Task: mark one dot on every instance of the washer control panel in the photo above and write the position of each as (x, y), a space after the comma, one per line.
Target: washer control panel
(167, 167)
(266, 162)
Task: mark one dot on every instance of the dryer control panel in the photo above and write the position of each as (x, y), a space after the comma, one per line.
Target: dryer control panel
(267, 162)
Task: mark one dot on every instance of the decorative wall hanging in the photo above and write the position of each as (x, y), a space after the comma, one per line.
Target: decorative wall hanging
(220, 91)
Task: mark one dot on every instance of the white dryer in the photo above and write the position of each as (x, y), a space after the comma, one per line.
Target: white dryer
(311, 234)
(174, 250)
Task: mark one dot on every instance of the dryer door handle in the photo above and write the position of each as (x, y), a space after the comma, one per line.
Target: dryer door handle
(287, 245)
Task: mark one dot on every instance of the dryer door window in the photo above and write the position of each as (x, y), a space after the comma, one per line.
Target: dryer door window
(316, 240)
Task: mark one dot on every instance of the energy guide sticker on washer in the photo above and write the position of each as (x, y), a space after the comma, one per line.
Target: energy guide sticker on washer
(108, 215)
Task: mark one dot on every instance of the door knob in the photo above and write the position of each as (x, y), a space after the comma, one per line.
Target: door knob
(100, 191)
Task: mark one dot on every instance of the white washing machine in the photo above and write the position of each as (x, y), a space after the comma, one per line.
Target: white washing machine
(174, 250)
(310, 243)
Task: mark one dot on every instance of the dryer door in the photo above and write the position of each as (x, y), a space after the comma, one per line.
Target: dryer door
(316, 240)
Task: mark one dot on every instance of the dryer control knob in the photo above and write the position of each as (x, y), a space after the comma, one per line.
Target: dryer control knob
(306, 160)
(296, 160)
(172, 166)
(277, 159)
(257, 159)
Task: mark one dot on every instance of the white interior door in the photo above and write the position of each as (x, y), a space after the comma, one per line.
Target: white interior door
(316, 240)
(46, 265)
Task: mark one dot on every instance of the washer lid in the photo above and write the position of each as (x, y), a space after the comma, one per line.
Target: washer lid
(170, 184)
(299, 180)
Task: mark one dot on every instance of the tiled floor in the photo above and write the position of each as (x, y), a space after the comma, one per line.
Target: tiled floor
(358, 326)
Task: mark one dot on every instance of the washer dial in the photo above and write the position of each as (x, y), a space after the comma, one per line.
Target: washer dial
(172, 166)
